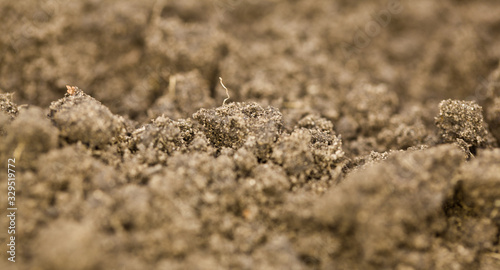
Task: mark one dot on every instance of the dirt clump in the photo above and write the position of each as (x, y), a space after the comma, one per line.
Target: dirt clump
(461, 120)
(80, 117)
(354, 137)
(308, 154)
(239, 124)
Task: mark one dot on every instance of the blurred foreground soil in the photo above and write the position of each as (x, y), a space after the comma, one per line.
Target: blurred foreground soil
(358, 134)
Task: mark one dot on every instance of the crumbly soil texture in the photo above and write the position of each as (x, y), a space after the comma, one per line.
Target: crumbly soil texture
(357, 135)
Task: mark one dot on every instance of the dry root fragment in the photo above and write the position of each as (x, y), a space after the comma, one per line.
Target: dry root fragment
(227, 92)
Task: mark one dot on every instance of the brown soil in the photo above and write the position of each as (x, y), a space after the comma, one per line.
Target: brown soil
(358, 134)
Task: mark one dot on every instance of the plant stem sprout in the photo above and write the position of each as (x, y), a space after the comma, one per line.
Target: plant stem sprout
(227, 92)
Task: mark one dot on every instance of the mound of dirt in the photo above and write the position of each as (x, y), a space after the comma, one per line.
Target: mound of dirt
(358, 135)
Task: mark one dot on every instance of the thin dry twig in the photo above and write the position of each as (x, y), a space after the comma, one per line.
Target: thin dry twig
(227, 92)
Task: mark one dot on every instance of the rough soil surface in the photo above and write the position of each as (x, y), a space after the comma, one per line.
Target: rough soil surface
(358, 134)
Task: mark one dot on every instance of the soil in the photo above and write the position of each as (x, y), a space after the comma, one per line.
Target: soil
(357, 134)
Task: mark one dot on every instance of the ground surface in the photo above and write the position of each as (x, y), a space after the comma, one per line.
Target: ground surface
(358, 134)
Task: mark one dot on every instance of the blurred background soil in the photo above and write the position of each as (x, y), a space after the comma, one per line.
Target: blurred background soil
(358, 135)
